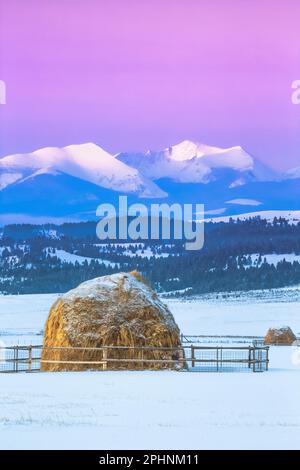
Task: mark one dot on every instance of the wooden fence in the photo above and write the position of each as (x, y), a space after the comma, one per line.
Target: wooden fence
(192, 357)
(231, 339)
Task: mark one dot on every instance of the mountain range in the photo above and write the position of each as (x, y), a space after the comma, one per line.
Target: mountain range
(56, 184)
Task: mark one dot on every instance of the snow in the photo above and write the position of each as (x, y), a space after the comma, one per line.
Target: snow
(237, 313)
(157, 410)
(86, 161)
(42, 171)
(25, 311)
(49, 233)
(195, 162)
(22, 317)
(107, 289)
(293, 217)
(244, 202)
(133, 250)
(219, 211)
(273, 258)
(144, 253)
(214, 157)
(234, 157)
(121, 245)
(160, 410)
(72, 258)
(2, 248)
(187, 150)
(238, 182)
(8, 178)
(231, 316)
(294, 173)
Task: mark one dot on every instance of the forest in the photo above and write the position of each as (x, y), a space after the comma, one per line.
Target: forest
(236, 256)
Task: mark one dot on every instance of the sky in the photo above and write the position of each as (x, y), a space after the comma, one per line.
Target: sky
(138, 74)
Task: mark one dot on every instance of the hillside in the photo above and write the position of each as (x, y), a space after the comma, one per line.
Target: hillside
(238, 255)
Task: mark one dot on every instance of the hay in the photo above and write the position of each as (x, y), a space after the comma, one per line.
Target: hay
(117, 310)
(283, 335)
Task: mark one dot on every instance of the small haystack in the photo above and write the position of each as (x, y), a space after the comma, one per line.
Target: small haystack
(117, 310)
(283, 335)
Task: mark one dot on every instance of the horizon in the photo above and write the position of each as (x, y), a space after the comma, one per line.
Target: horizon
(213, 72)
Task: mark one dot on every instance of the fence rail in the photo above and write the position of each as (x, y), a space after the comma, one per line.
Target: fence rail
(230, 358)
(232, 339)
(222, 339)
(196, 358)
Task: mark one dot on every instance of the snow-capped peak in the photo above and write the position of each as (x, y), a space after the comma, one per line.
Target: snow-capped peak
(85, 161)
(188, 149)
(194, 162)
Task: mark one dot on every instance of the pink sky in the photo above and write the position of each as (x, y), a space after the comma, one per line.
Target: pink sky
(138, 74)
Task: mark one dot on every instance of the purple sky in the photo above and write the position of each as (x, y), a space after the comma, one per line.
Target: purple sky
(138, 74)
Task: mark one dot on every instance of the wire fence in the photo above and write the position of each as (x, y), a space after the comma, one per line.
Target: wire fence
(231, 339)
(229, 358)
(20, 358)
(222, 339)
(189, 357)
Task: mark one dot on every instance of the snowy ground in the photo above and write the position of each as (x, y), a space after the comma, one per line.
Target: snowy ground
(151, 410)
(22, 318)
(72, 258)
(234, 317)
(293, 217)
(176, 410)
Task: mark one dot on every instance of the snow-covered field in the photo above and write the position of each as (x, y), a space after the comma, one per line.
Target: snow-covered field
(273, 258)
(175, 410)
(72, 258)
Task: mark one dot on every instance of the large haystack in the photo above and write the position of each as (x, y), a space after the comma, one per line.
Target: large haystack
(117, 310)
(283, 335)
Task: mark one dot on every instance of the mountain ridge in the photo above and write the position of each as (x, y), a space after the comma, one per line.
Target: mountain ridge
(87, 161)
(72, 181)
(194, 162)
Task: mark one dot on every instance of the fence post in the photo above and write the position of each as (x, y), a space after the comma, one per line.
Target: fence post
(254, 359)
(181, 358)
(104, 358)
(14, 361)
(249, 357)
(17, 358)
(193, 355)
(30, 358)
(221, 358)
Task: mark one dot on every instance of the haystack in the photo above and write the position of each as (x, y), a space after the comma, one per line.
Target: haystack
(283, 335)
(117, 310)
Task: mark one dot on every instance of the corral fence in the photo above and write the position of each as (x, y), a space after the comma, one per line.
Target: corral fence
(277, 343)
(258, 341)
(222, 339)
(20, 358)
(193, 357)
(229, 358)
